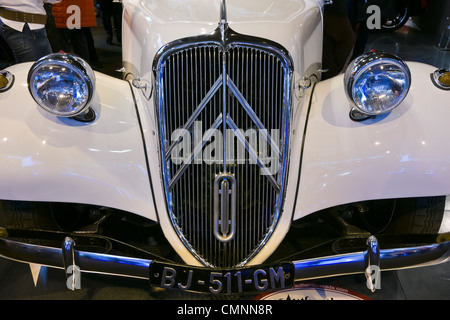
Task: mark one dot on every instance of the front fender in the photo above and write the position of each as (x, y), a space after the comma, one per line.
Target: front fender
(403, 154)
(46, 158)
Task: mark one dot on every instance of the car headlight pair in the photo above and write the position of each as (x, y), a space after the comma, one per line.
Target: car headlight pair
(376, 83)
(63, 84)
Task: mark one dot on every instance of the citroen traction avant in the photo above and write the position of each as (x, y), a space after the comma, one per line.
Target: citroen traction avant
(220, 163)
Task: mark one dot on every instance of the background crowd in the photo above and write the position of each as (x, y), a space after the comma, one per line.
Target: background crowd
(31, 29)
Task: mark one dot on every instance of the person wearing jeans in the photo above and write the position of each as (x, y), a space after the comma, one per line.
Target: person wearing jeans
(22, 26)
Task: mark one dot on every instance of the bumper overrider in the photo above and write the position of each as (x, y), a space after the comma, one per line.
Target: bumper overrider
(253, 279)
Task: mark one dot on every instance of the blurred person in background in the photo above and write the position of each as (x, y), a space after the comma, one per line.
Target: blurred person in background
(111, 11)
(64, 37)
(22, 26)
(338, 38)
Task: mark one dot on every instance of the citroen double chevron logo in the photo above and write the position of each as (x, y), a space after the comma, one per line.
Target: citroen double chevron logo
(223, 110)
(223, 126)
(225, 186)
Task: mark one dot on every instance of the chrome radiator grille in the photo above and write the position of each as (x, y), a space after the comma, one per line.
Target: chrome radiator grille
(223, 117)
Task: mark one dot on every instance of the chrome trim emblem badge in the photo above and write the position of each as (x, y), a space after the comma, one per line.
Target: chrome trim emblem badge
(224, 207)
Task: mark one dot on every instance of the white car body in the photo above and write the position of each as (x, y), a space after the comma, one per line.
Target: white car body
(115, 161)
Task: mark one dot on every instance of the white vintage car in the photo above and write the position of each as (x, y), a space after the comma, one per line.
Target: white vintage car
(221, 163)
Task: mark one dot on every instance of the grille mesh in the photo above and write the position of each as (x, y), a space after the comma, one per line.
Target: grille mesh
(191, 97)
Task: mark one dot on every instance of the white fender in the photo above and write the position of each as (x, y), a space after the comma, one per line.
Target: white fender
(46, 158)
(403, 154)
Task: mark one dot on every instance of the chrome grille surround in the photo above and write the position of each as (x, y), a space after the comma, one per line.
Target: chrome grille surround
(224, 82)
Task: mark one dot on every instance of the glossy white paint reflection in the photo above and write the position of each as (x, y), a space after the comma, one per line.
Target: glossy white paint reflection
(149, 25)
(46, 158)
(397, 155)
(239, 11)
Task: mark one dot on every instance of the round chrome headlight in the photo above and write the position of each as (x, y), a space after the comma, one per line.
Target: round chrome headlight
(377, 82)
(61, 83)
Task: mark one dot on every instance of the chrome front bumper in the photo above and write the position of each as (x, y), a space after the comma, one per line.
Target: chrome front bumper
(336, 265)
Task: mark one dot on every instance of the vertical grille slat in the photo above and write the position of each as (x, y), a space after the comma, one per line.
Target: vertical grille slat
(184, 79)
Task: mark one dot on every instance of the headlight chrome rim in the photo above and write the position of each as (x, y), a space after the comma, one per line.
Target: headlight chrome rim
(74, 64)
(361, 65)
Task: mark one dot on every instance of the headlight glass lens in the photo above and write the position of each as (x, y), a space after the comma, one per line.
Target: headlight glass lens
(62, 84)
(377, 83)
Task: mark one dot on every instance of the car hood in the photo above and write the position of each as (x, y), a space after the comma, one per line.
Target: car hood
(238, 11)
(294, 24)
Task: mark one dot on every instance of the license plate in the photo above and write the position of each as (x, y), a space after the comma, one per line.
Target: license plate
(217, 281)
